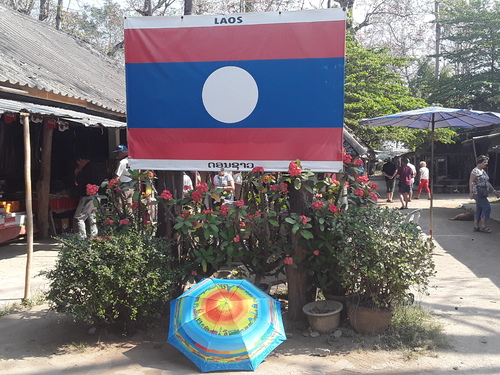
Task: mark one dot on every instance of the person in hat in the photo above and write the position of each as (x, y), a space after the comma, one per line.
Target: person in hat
(122, 172)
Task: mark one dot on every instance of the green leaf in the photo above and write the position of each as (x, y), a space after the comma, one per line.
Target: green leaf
(306, 234)
(297, 184)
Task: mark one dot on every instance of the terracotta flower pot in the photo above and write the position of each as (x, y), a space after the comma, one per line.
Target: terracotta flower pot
(368, 320)
(323, 316)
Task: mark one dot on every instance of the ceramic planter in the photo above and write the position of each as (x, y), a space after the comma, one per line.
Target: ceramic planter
(323, 316)
(368, 320)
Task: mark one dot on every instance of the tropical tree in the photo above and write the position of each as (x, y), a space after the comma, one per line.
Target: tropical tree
(471, 51)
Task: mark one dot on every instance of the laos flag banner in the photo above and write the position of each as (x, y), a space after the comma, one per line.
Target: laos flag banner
(236, 91)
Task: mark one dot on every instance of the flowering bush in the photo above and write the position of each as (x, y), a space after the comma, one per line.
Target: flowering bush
(256, 230)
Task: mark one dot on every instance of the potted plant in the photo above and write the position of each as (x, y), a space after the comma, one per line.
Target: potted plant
(380, 257)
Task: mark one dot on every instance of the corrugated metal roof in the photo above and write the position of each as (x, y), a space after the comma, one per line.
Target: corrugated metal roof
(61, 113)
(36, 55)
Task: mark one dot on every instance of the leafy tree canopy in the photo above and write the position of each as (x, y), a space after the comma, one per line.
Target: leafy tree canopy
(471, 48)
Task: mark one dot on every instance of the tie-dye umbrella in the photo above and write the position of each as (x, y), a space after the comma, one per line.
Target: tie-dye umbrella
(224, 324)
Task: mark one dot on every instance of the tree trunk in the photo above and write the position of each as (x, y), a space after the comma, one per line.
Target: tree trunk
(173, 182)
(299, 292)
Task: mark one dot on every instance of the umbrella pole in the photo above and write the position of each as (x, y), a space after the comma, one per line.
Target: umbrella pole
(432, 178)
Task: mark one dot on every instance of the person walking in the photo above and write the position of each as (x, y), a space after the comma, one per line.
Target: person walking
(423, 176)
(414, 170)
(390, 170)
(405, 174)
(479, 187)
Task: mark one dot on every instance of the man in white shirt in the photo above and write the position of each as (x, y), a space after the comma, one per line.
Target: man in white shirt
(225, 180)
(123, 175)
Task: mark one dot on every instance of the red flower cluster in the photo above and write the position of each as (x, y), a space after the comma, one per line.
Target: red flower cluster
(288, 260)
(92, 189)
(304, 219)
(318, 205)
(359, 162)
(316, 252)
(125, 222)
(333, 208)
(294, 169)
(224, 210)
(363, 179)
(258, 170)
(347, 159)
(240, 203)
(284, 187)
(165, 194)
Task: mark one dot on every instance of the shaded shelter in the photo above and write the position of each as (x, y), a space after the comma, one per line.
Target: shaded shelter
(50, 80)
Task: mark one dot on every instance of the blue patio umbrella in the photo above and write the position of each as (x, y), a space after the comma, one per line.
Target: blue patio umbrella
(432, 118)
(222, 324)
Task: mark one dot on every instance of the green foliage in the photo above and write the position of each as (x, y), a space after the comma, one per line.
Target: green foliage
(373, 89)
(105, 279)
(380, 256)
(471, 46)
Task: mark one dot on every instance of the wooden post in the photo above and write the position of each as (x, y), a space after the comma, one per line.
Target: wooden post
(43, 184)
(29, 202)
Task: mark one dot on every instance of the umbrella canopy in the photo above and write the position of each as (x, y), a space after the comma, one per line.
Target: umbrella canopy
(432, 118)
(222, 324)
(436, 117)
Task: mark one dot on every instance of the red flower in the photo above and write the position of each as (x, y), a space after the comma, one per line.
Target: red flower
(294, 169)
(318, 205)
(242, 224)
(112, 183)
(92, 189)
(288, 260)
(316, 252)
(359, 162)
(333, 208)
(208, 212)
(224, 210)
(363, 179)
(284, 187)
(125, 222)
(374, 196)
(109, 221)
(194, 273)
(373, 186)
(187, 187)
(203, 187)
(197, 195)
(258, 170)
(359, 192)
(134, 205)
(304, 219)
(240, 203)
(258, 214)
(165, 194)
(236, 238)
(347, 158)
(274, 187)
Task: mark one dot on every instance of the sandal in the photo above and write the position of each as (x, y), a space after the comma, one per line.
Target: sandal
(485, 230)
(475, 229)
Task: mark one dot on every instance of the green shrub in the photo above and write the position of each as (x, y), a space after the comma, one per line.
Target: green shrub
(130, 277)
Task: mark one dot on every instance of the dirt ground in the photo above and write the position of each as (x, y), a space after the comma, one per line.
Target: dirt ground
(464, 298)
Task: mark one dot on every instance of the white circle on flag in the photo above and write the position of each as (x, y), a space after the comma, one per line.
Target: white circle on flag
(230, 94)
